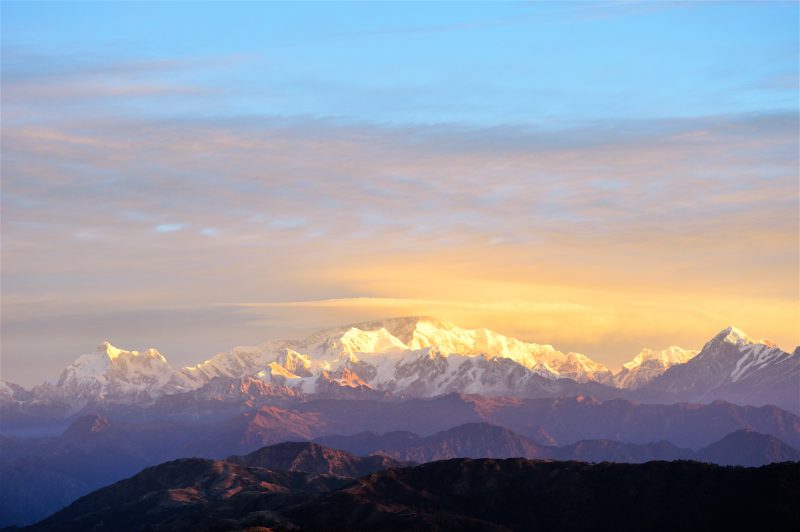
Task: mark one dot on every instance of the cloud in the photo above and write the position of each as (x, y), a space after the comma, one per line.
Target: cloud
(411, 303)
(612, 327)
(641, 202)
(90, 83)
(622, 233)
(29, 65)
(168, 228)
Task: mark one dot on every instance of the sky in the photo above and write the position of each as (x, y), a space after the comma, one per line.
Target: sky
(602, 177)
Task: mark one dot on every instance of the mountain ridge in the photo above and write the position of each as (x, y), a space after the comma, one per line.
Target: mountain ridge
(434, 357)
(457, 494)
(41, 475)
(734, 366)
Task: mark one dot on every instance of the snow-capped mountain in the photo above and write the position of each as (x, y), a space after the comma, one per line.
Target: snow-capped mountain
(376, 350)
(649, 364)
(737, 368)
(416, 356)
(239, 362)
(406, 356)
(11, 392)
(117, 374)
(425, 357)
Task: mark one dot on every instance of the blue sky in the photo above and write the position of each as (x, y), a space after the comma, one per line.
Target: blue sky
(600, 176)
(480, 63)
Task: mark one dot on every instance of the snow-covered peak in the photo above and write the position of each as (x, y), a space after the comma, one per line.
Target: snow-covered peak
(376, 350)
(288, 365)
(111, 351)
(115, 354)
(649, 364)
(734, 345)
(238, 362)
(669, 356)
(545, 360)
(734, 366)
(115, 372)
(356, 340)
(295, 362)
(404, 328)
(542, 358)
(732, 335)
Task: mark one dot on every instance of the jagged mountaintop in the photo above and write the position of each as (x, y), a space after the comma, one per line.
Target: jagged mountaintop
(649, 364)
(737, 367)
(111, 371)
(416, 355)
(412, 356)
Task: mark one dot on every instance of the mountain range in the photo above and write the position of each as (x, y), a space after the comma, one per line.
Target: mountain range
(457, 494)
(737, 368)
(41, 475)
(422, 357)
(743, 447)
(390, 393)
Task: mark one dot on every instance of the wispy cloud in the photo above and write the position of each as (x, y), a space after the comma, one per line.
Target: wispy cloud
(80, 83)
(169, 228)
(353, 220)
(395, 302)
(494, 183)
(612, 186)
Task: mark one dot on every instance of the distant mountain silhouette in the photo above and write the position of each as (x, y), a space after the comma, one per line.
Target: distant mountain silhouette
(748, 448)
(471, 440)
(313, 458)
(368, 442)
(481, 440)
(615, 451)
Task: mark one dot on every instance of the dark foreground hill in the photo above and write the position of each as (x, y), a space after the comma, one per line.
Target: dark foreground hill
(458, 494)
(519, 494)
(187, 494)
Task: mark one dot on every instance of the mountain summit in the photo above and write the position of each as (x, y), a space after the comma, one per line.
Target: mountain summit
(114, 373)
(735, 336)
(649, 364)
(415, 355)
(734, 366)
(426, 357)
